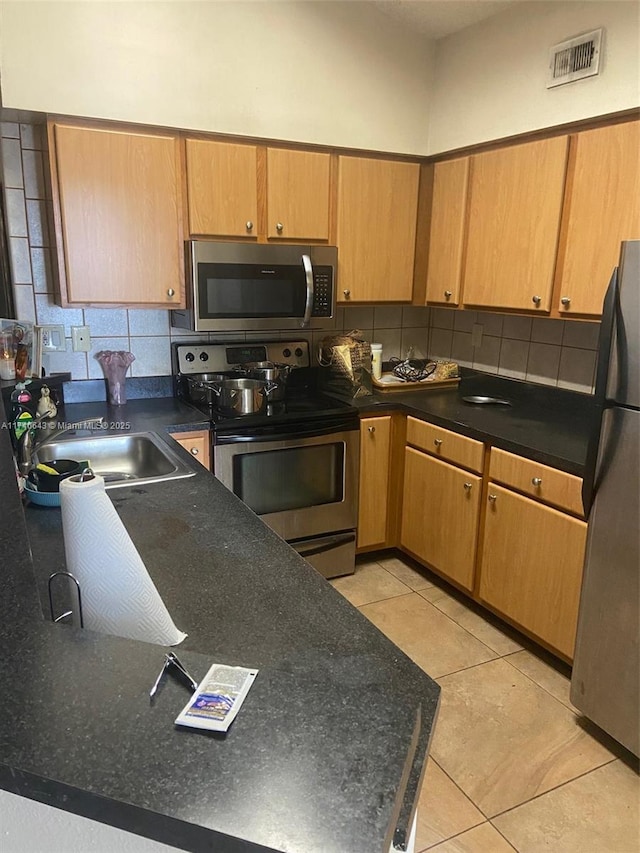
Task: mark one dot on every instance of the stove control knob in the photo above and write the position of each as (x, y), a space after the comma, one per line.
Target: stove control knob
(204, 356)
(286, 352)
(298, 352)
(190, 357)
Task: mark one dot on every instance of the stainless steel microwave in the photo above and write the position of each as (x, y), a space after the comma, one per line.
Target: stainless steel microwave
(245, 287)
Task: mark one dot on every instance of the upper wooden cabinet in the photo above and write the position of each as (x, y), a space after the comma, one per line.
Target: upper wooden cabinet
(602, 209)
(450, 184)
(118, 212)
(377, 211)
(222, 188)
(297, 195)
(515, 207)
(238, 190)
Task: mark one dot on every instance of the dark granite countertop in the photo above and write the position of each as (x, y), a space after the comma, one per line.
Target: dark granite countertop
(546, 424)
(326, 754)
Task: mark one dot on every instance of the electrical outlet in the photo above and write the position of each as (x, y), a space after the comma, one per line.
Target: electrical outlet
(81, 338)
(53, 339)
(476, 335)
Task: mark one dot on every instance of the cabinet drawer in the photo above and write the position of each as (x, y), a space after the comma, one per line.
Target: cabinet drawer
(445, 444)
(539, 481)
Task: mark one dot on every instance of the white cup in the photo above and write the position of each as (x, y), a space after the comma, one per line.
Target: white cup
(7, 368)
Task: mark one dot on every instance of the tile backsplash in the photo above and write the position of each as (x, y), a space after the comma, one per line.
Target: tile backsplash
(552, 352)
(538, 349)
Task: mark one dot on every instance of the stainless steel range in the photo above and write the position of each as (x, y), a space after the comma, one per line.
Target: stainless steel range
(294, 457)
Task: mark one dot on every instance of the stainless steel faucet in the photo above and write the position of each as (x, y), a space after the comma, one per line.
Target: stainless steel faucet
(29, 442)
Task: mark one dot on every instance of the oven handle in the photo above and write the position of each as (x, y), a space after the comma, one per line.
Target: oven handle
(308, 274)
(276, 434)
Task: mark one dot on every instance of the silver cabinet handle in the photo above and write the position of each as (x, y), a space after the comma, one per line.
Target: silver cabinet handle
(171, 292)
(308, 277)
(194, 451)
(536, 481)
(437, 442)
(448, 294)
(371, 429)
(493, 498)
(536, 300)
(565, 301)
(468, 487)
(347, 293)
(279, 227)
(249, 225)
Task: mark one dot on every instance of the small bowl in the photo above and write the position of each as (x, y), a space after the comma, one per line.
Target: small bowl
(41, 498)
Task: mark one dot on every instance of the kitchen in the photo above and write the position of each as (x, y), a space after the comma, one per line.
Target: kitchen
(509, 343)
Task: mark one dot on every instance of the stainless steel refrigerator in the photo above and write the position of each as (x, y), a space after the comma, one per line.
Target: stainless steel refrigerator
(605, 684)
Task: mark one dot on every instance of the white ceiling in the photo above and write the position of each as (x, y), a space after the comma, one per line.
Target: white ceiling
(439, 18)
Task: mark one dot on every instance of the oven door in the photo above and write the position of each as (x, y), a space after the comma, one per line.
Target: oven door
(302, 482)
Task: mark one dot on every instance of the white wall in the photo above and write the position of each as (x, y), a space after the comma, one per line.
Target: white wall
(335, 73)
(490, 79)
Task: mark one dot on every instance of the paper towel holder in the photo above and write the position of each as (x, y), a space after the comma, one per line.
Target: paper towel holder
(62, 616)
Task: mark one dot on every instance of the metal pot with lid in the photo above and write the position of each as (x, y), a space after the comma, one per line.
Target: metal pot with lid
(244, 396)
(272, 372)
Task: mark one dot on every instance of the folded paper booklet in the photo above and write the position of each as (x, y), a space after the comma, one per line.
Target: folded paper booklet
(218, 698)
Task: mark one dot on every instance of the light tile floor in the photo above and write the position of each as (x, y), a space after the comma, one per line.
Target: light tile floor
(512, 765)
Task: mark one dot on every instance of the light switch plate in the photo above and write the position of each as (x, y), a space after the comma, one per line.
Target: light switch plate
(476, 334)
(53, 339)
(81, 338)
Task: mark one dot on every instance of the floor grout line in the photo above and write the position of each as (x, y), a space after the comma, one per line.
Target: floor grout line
(541, 686)
(379, 600)
(555, 788)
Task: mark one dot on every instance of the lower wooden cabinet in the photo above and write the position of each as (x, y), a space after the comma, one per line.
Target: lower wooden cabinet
(440, 514)
(197, 444)
(375, 455)
(531, 566)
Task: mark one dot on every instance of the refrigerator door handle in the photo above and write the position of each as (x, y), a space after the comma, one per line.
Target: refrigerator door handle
(610, 315)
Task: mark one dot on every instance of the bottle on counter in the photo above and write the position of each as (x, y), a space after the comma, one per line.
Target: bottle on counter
(376, 360)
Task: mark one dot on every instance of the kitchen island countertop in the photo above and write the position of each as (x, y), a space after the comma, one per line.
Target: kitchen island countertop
(328, 751)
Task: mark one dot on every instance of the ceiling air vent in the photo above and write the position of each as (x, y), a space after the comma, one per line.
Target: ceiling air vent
(574, 59)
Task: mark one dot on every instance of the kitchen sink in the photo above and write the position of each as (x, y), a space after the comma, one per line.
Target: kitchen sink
(123, 460)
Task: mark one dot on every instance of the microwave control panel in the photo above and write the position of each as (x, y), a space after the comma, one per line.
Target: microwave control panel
(322, 291)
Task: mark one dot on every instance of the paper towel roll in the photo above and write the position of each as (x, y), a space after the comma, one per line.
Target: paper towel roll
(118, 596)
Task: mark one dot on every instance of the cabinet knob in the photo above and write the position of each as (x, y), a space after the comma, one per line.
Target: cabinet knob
(279, 227)
(536, 481)
(536, 300)
(468, 487)
(565, 301)
(437, 442)
(371, 429)
(194, 451)
(171, 292)
(249, 225)
(347, 293)
(492, 498)
(448, 294)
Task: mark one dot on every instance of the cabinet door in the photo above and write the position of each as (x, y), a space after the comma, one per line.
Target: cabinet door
(297, 195)
(450, 182)
(440, 512)
(222, 186)
(603, 210)
(120, 216)
(375, 449)
(197, 444)
(531, 568)
(514, 220)
(377, 211)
